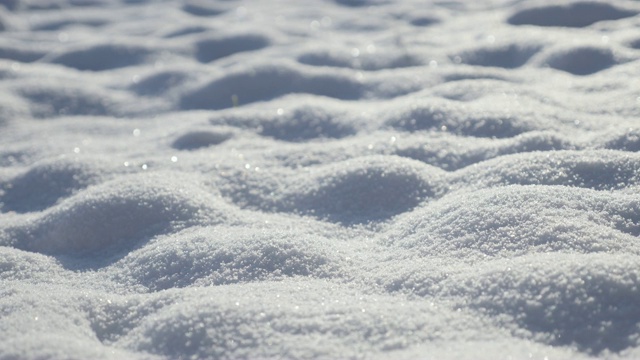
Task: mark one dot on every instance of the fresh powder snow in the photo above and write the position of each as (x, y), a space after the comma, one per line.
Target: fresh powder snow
(335, 179)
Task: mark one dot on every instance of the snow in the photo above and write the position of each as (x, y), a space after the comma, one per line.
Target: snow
(322, 179)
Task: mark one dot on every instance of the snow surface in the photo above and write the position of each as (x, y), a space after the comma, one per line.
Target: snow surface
(319, 179)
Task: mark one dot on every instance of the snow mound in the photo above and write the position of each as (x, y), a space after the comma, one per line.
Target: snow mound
(362, 190)
(574, 14)
(116, 216)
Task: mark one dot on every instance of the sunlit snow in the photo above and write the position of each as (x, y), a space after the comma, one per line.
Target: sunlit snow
(336, 179)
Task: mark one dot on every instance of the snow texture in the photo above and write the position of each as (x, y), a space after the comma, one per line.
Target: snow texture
(335, 179)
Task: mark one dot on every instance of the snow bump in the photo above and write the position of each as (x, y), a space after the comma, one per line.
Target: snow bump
(364, 190)
(575, 14)
(117, 215)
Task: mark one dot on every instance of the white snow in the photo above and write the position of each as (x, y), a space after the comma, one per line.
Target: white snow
(226, 179)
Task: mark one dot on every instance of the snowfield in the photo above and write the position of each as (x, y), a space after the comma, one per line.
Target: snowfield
(336, 179)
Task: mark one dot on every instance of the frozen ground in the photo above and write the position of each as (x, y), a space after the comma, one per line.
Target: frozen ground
(319, 179)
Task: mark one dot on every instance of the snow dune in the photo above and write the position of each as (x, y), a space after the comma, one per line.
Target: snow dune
(328, 179)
